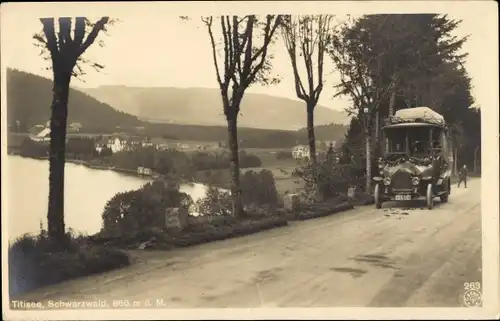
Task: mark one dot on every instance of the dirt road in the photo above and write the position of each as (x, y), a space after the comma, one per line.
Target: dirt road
(391, 257)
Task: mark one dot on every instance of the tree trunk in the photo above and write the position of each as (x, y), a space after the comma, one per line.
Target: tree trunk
(475, 159)
(234, 165)
(377, 133)
(455, 163)
(310, 133)
(368, 163)
(55, 215)
(392, 100)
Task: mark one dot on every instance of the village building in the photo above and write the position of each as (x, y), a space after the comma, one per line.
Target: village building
(35, 130)
(114, 143)
(42, 136)
(74, 127)
(301, 152)
(117, 144)
(144, 171)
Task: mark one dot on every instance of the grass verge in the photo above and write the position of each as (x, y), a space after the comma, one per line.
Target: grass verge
(323, 209)
(36, 261)
(161, 239)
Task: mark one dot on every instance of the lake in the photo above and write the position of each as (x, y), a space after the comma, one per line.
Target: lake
(86, 193)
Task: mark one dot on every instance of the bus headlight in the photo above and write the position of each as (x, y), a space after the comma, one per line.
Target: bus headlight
(415, 181)
(387, 181)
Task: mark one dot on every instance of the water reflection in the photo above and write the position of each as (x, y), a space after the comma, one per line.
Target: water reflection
(86, 193)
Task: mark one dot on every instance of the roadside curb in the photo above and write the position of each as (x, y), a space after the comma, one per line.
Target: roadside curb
(345, 206)
(362, 202)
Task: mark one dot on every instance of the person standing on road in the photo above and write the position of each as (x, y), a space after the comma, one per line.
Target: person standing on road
(462, 176)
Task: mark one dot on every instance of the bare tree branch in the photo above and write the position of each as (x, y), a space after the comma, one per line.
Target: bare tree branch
(98, 26)
(310, 34)
(208, 22)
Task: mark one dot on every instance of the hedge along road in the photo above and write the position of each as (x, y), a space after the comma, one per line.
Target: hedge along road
(363, 257)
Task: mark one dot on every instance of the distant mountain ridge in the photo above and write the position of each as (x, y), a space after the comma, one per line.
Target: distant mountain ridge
(29, 98)
(202, 106)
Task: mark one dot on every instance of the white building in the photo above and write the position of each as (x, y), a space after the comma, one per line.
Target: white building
(301, 152)
(74, 127)
(144, 171)
(117, 145)
(43, 136)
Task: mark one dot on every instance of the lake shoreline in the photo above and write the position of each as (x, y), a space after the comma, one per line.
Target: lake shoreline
(124, 171)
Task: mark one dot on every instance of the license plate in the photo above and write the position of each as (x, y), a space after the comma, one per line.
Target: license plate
(403, 197)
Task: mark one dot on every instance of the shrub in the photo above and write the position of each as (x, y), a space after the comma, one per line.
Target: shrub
(36, 261)
(143, 208)
(249, 160)
(215, 202)
(329, 179)
(259, 188)
(258, 191)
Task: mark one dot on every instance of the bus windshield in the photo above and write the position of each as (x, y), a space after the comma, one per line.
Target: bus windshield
(410, 141)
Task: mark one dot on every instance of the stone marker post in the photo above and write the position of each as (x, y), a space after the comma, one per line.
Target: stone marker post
(176, 218)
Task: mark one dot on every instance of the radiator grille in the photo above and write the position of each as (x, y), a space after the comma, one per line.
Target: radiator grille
(401, 180)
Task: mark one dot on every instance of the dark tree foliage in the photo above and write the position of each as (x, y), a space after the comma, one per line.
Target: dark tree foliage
(389, 62)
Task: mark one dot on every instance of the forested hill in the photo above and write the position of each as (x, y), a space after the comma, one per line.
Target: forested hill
(326, 132)
(29, 98)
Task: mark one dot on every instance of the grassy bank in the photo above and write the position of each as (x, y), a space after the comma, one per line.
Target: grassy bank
(199, 231)
(36, 261)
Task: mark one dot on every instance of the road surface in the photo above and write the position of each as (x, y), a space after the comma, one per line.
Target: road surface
(393, 257)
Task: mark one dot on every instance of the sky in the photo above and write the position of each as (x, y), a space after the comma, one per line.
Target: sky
(151, 46)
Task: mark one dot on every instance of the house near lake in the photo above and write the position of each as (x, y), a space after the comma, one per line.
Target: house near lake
(42, 136)
(144, 171)
(35, 130)
(301, 152)
(116, 144)
(74, 127)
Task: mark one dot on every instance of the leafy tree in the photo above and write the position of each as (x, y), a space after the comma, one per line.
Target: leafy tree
(66, 48)
(360, 72)
(245, 62)
(352, 151)
(381, 56)
(310, 33)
